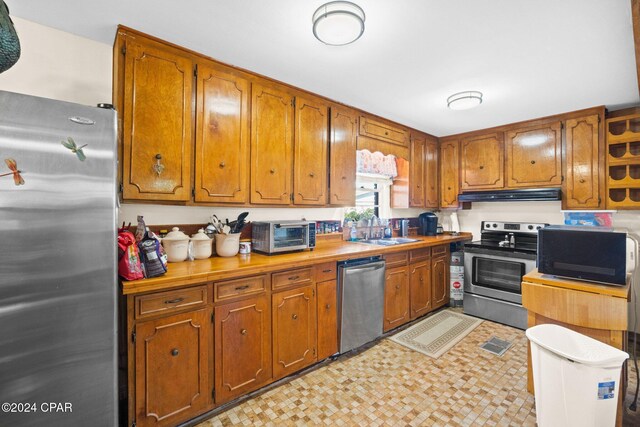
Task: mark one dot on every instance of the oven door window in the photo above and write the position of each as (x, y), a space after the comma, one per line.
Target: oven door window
(291, 236)
(498, 274)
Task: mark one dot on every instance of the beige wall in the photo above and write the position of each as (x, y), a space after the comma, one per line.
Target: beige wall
(59, 65)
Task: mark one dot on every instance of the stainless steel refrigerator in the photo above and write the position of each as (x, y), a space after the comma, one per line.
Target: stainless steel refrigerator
(57, 263)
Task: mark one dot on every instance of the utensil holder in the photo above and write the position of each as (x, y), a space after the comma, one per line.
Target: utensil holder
(227, 245)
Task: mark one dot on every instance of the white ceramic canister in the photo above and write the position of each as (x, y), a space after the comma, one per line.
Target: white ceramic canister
(176, 245)
(227, 244)
(202, 245)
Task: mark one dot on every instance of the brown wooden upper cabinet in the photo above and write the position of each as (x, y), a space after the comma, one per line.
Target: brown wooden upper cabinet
(222, 136)
(534, 155)
(449, 173)
(416, 170)
(431, 172)
(310, 152)
(342, 175)
(156, 108)
(383, 131)
(482, 162)
(271, 145)
(584, 183)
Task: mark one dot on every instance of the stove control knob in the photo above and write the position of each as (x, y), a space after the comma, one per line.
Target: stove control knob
(495, 225)
(530, 227)
(487, 226)
(538, 228)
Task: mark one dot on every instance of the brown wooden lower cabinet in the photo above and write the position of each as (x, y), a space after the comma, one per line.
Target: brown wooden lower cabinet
(396, 297)
(327, 319)
(440, 281)
(201, 346)
(294, 330)
(172, 368)
(242, 347)
(420, 284)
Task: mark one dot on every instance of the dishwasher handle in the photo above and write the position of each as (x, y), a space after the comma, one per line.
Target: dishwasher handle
(364, 267)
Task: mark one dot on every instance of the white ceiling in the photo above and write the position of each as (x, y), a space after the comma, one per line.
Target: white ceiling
(530, 58)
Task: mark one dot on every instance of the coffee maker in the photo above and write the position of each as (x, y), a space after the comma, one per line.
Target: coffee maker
(427, 224)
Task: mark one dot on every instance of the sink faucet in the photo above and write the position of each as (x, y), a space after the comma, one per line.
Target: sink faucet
(371, 221)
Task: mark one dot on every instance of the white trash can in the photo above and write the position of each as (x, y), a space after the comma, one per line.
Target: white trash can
(576, 378)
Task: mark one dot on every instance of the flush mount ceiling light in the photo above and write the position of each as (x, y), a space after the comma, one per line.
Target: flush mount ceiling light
(338, 23)
(464, 100)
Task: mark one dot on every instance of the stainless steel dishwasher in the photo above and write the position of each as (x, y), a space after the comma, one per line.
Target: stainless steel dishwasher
(361, 301)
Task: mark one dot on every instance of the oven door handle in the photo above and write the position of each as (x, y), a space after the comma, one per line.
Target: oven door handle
(293, 226)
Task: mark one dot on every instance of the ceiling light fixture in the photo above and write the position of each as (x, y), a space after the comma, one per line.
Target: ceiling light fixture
(338, 23)
(464, 100)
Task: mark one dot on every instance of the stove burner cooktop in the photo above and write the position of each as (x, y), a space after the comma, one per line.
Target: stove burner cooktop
(508, 236)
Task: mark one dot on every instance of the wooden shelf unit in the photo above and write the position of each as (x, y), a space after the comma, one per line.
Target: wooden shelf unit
(623, 162)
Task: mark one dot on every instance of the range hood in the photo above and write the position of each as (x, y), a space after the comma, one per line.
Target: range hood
(535, 194)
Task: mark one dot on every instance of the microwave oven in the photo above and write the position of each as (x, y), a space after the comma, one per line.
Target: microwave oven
(594, 254)
(272, 237)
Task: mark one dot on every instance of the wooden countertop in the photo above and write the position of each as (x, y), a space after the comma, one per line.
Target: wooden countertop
(218, 268)
(546, 279)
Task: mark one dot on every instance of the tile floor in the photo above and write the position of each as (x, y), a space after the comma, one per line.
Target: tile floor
(391, 385)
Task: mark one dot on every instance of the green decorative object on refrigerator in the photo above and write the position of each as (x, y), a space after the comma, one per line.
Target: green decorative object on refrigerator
(9, 43)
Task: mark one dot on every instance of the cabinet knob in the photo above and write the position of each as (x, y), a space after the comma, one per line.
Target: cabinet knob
(293, 277)
(448, 188)
(328, 306)
(175, 352)
(581, 180)
(481, 167)
(312, 174)
(222, 164)
(243, 332)
(533, 162)
(158, 167)
(272, 171)
(344, 177)
(294, 317)
(397, 286)
(418, 186)
(386, 133)
(421, 279)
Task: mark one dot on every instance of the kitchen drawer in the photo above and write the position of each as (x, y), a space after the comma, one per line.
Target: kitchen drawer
(421, 254)
(300, 276)
(168, 302)
(383, 131)
(326, 271)
(239, 287)
(397, 259)
(441, 250)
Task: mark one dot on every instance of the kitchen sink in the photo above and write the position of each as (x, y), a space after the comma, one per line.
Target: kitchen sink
(388, 242)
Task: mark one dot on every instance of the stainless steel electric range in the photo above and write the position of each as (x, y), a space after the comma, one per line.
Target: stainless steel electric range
(493, 270)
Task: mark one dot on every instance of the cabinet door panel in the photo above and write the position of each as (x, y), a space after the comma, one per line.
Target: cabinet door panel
(271, 145)
(156, 124)
(440, 281)
(310, 152)
(342, 164)
(172, 368)
(396, 297)
(482, 162)
(534, 156)
(416, 171)
(449, 174)
(420, 284)
(431, 173)
(583, 153)
(327, 319)
(242, 347)
(294, 330)
(222, 137)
